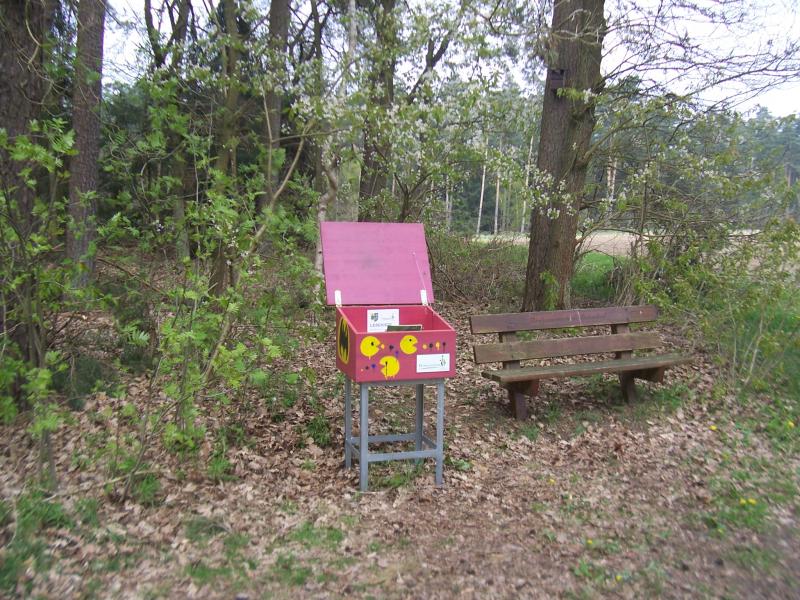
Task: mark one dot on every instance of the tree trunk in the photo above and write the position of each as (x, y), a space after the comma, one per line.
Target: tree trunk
(377, 147)
(496, 202)
(566, 130)
(348, 175)
(448, 206)
(84, 170)
(527, 185)
(221, 274)
(273, 99)
(24, 26)
(483, 189)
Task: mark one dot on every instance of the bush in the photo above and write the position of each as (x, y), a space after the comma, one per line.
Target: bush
(742, 298)
(467, 270)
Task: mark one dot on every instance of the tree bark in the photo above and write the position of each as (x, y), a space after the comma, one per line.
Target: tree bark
(348, 175)
(483, 189)
(496, 202)
(273, 100)
(84, 169)
(222, 273)
(527, 184)
(24, 25)
(377, 147)
(566, 129)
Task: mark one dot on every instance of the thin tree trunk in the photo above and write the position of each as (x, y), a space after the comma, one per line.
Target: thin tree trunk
(483, 189)
(84, 170)
(567, 125)
(611, 170)
(496, 202)
(448, 206)
(222, 275)
(377, 148)
(527, 187)
(273, 99)
(348, 175)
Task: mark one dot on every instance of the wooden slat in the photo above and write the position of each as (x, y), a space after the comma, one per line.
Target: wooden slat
(568, 370)
(596, 344)
(556, 319)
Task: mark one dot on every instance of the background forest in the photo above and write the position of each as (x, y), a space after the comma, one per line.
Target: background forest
(160, 269)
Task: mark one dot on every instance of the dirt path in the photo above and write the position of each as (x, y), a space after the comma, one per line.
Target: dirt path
(668, 497)
(614, 243)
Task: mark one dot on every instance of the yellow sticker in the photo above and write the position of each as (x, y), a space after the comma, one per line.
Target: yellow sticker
(370, 346)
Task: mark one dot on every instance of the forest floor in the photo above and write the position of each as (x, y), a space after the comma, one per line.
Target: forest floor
(684, 493)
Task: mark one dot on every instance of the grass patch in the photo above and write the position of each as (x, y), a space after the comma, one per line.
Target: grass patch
(395, 475)
(459, 464)
(201, 529)
(205, 574)
(593, 279)
(27, 546)
(530, 431)
(757, 559)
(288, 570)
(311, 536)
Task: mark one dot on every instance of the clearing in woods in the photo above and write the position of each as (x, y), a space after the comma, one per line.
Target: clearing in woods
(683, 493)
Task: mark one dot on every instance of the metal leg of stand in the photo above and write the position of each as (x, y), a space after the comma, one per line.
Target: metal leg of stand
(363, 447)
(439, 433)
(348, 423)
(418, 420)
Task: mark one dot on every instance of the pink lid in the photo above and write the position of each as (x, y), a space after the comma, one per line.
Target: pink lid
(375, 263)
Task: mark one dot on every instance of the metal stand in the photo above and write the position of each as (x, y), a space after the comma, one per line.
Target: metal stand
(424, 447)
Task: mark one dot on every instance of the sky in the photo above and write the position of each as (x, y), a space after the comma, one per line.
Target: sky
(781, 17)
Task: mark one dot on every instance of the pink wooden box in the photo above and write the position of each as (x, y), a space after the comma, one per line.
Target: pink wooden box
(378, 276)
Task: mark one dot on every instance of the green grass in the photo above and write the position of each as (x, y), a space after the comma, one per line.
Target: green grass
(459, 464)
(319, 429)
(530, 431)
(288, 570)
(762, 560)
(34, 514)
(395, 475)
(311, 536)
(201, 529)
(204, 573)
(592, 278)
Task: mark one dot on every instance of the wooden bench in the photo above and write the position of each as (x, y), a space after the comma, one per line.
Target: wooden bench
(522, 381)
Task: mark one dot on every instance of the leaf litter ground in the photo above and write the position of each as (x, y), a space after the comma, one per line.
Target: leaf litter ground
(676, 495)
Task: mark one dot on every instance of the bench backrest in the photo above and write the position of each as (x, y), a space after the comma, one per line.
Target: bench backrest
(509, 350)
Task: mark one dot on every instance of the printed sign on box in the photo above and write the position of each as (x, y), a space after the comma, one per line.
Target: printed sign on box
(379, 319)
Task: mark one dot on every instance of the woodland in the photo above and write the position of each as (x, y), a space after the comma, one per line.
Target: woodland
(171, 412)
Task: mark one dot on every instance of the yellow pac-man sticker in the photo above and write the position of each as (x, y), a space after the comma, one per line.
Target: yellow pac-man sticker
(370, 346)
(343, 341)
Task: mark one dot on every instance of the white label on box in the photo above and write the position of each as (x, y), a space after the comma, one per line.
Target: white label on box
(433, 363)
(379, 320)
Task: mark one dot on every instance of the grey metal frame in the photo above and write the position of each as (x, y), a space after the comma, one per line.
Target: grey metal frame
(424, 446)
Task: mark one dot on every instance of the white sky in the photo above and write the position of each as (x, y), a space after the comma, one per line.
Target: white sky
(122, 40)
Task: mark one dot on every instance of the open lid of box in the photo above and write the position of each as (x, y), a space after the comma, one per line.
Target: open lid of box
(375, 263)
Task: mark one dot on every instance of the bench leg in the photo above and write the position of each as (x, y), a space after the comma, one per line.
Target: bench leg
(519, 404)
(517, 397)
(627, 382)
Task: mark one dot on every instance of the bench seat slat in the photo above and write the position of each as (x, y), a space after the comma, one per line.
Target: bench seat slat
(505, 376)
(596, 344)
(556, 319)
